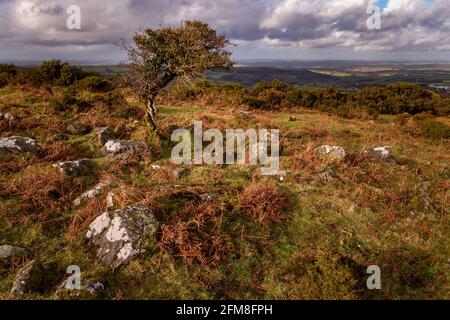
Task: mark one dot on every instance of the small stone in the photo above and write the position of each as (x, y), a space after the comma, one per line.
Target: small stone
(207, 196)
(7, 251)
(19, 145)
(380, 153)
(123, 147)
(110, 200)
(117, 235)
(293, 119)
(98, 189)
(105, 134)
(9, 116)
(246, 114)
(90, 287)
(333, 152)
(327, 176)
(76, 129)
(424, 187)
(75, 168)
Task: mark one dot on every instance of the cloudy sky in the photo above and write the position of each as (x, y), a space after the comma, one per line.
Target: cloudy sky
(262, 29)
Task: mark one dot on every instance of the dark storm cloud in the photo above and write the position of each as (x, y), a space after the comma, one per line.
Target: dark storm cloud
(409, 25)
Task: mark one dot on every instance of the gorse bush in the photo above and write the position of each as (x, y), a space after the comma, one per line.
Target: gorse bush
(95, 84)
(52, 72)
(394, 99)
(7, 72)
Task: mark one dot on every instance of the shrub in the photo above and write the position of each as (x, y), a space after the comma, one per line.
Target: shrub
(263, 201)
(95, 84)
(9, 69)
(434, 129)
(194, 235)
(4, 79)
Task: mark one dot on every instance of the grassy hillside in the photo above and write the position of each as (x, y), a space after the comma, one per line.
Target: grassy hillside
(306, 235)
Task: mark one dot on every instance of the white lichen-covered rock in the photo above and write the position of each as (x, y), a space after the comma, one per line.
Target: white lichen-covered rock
(98, 190)
(28, 279)
(117, 235)
(104, 134)
(9, 116)
(326, 176)
(380, 153)
(19, 145)
(75, 168)
(7, 251)
(333, 152)
(123, 147)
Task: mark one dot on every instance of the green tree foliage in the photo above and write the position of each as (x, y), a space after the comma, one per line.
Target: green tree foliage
(159, 56)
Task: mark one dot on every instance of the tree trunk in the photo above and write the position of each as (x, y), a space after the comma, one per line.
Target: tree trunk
(151, 114)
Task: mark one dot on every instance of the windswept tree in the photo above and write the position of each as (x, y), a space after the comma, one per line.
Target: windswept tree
(159, 56)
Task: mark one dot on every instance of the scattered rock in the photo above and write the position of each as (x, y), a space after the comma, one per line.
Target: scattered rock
(110, 200)
(98, 189)
(246, 114)
(123, 147)
(424, 187)
(88, 287)
(28, 279)
(19, 145)
(7, 251)
(293, 119)
(104, 134)
(75, 168)
(333, 152)
(117, 235)
(77, 129)
(327, 176)
(380, 153)
(177, 173)
(9, 116)
(207, 196)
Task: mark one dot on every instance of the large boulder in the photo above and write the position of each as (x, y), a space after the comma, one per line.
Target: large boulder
(7, 251)
(98, 190)
(332, 152)
(19, 145)
(118, 235)
(123, 148)
(28, 279)
(75, 168)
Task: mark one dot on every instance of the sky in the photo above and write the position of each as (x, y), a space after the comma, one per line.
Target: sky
(261, 29)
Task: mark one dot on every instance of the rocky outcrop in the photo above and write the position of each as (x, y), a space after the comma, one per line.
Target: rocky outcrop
(123, 148)
(19, 145)
(117, 236)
